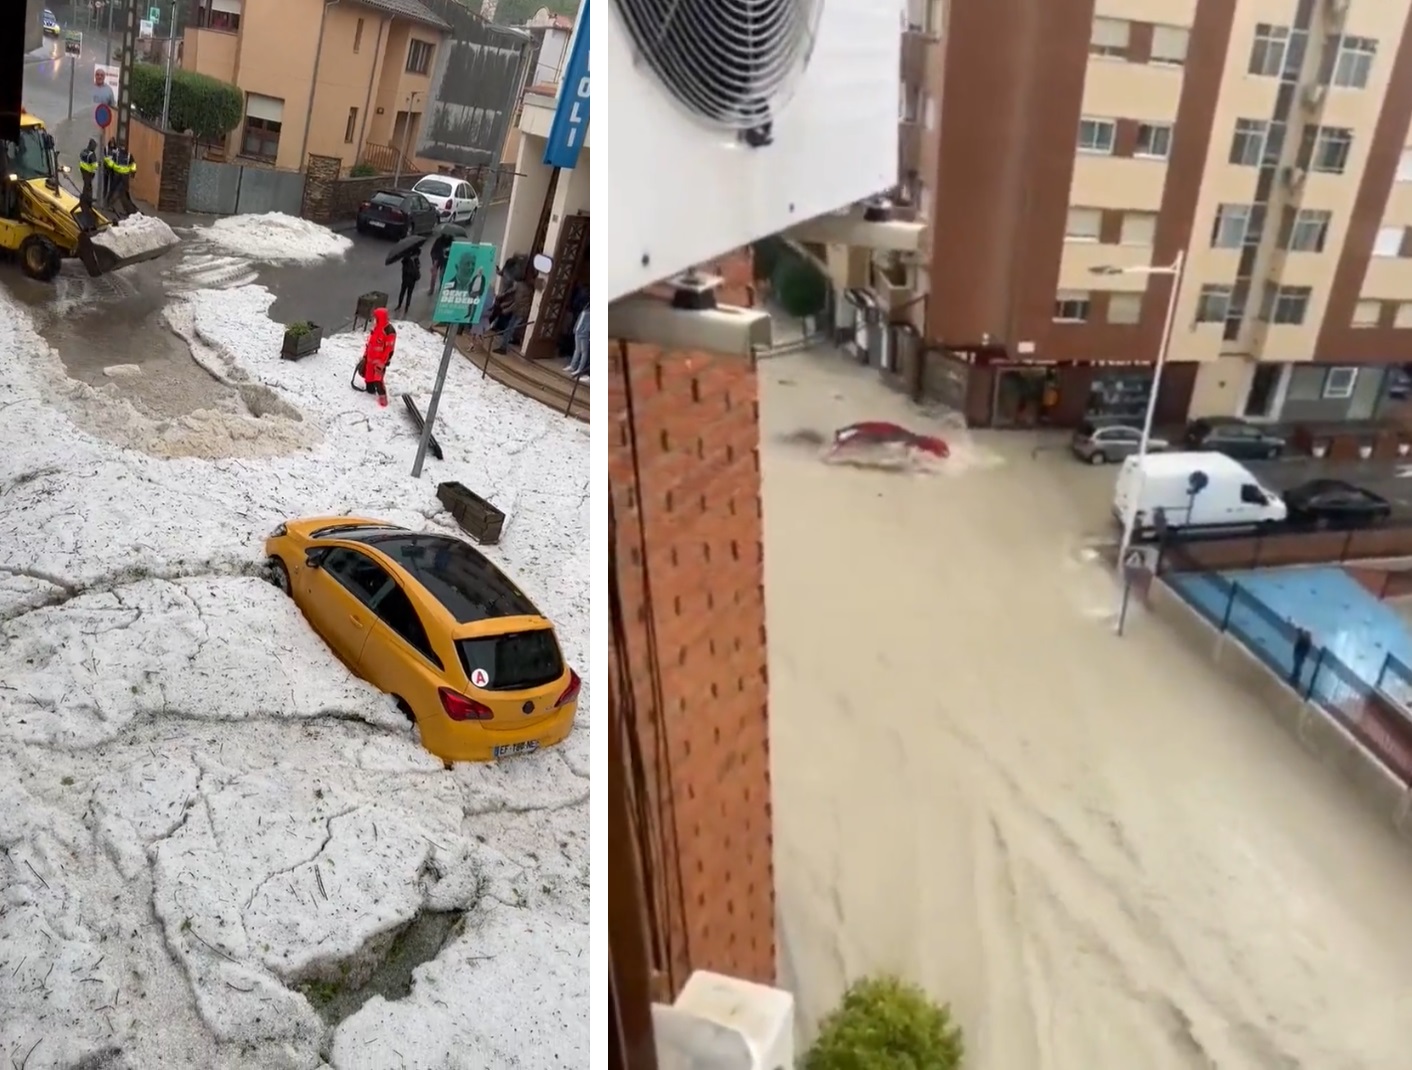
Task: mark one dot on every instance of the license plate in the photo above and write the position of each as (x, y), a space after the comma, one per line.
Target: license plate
(512, 749)
(376, 223)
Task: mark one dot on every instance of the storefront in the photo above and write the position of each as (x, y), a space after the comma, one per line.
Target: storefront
(992, 391)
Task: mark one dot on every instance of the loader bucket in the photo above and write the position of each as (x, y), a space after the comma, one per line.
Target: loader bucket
(135, 239)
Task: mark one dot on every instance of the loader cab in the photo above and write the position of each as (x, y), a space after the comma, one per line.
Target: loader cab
(31, 157)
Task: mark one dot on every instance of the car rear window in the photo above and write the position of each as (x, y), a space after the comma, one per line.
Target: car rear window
(434, 188)
(513, 661)
(393, 200)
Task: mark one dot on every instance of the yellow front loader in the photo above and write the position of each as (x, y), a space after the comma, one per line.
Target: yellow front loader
(43, 223)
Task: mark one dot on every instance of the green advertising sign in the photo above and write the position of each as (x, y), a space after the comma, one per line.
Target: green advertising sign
(467, 284)
(154, 14)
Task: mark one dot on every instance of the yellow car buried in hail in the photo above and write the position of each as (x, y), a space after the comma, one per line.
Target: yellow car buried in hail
(427, 619)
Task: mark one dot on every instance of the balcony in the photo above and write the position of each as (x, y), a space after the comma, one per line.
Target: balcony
(916, 46)
(909, 146)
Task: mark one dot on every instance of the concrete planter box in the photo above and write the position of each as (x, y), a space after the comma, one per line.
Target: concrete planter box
(299, 345)
(476, 516)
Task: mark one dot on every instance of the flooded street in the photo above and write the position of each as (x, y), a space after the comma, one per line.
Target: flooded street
(1105, 856)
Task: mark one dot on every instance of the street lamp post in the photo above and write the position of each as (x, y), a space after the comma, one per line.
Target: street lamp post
(1130, 518)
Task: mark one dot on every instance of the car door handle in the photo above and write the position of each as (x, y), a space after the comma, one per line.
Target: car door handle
(356, 621)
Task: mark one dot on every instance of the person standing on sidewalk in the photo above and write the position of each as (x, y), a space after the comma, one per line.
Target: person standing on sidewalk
(579, 365)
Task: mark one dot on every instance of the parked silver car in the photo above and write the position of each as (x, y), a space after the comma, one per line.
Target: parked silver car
(1099, 443)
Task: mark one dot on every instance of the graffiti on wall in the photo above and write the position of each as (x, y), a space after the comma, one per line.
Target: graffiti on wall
(478, 72)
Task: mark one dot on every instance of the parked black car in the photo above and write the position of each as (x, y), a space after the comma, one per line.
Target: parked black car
(396, 213)
(1336, 503)
(1233, 437)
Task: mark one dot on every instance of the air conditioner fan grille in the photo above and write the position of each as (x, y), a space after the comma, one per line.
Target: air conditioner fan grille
(730, 61)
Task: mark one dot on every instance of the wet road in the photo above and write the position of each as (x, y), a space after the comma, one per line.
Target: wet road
(1102, 852)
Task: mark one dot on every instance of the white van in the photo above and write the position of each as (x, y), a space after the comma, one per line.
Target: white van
(1228, 496)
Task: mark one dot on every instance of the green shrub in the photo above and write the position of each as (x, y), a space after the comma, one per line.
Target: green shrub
(767, 253)
(300, 329)
(887, 1024)
(362, 170)
(799, 286)
(209, 108)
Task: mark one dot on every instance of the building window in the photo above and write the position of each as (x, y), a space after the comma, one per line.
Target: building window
(419, 56)
(1388, 242)
(1071, 306)
(1267, 54)
(1083, 224)
(1169, 44)
(929, 111)
(1367, 313)
(1339, 383)
(1347, 61)
(1285, 304)
(1248, 144)
(1232, 220)
(909, 103)
(1213, 304)
(1305, 230)
(1154, 141)
(261, 138)
(1096, 135)
(358, 36)
(1403, 316)
(350, 126)
(1404, 166)
(1325, 148)
(936, 17)
(223, 15)
(1124, 308)
(1109, 37)
(1139, 228)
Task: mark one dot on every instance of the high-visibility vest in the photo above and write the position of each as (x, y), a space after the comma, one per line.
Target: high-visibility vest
(88, 161)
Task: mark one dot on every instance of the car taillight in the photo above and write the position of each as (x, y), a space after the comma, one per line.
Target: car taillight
(365, 206)
(397, 213)
(447, 205)
(460, 708)
(571, 693)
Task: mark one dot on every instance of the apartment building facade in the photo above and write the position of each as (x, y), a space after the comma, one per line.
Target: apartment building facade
(1081, 147)
(349, 80)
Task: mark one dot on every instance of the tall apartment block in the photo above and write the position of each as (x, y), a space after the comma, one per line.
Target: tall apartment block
(1068, 154)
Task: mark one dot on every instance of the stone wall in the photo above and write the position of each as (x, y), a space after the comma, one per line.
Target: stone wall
(329, 198)
(177, 152)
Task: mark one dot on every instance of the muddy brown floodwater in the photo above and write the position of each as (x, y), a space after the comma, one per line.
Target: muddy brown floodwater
(1103, 854)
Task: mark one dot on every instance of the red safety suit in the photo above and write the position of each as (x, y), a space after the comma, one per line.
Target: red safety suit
(377, 354)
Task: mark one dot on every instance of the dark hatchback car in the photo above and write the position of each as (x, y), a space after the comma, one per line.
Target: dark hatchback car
(1233, 437)
(396, 213)
(1335, 503)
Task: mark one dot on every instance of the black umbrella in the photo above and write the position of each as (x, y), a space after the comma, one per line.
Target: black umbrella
(450, 231)
(409, 246)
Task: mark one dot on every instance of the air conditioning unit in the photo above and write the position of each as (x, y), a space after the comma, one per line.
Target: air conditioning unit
(1294, 177)
(735, 119)
(1337, 9)
(1314, 96)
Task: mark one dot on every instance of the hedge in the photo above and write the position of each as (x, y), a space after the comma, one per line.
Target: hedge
(205, 106)
(887, 1024)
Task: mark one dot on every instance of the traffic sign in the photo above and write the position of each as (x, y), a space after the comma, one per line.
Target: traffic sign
(154, 14)
(103, 116)
(144, 28)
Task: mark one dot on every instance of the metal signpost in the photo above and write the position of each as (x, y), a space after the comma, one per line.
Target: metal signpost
(467, 281)
(167, 89)
(570, 125)
(1139, 566)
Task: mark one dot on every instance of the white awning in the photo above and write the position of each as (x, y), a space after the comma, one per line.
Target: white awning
(270, 109)
(229, 7)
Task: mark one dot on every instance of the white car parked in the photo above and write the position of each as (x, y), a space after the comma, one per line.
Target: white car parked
(454, 199)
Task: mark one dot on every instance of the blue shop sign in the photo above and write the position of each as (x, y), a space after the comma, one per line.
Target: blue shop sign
(570, 126)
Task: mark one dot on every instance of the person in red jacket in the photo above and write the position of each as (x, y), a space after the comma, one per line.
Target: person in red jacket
(377, 355)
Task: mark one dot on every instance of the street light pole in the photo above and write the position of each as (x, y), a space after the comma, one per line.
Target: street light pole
(1130, 518)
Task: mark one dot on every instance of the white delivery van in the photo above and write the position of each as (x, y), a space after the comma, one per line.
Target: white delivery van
(1229, 495)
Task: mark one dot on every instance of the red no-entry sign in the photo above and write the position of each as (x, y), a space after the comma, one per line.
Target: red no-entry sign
(103, 116)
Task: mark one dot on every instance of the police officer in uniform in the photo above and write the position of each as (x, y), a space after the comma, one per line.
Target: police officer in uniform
(121, 166)
(88, 168)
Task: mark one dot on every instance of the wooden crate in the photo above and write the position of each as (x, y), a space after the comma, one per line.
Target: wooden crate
(477, 517)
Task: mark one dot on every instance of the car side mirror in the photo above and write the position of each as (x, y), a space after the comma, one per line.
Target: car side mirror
(314, 558)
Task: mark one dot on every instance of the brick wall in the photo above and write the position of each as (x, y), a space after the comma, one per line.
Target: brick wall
(684, 470)
(329, 198)
(176, 173)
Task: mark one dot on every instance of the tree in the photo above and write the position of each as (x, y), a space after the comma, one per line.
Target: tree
(800, 287)
(519, 12)
(887, 1024)
(206, 106)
